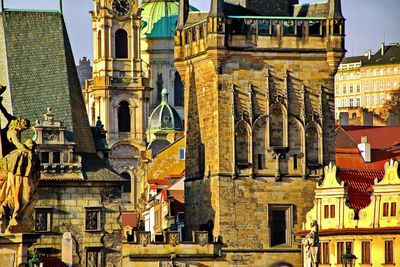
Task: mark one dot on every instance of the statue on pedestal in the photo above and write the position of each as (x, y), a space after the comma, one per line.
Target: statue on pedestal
(311, 245)
(19, 176)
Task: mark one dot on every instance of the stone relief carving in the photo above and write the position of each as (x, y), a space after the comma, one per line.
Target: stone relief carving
(144, 238)
(173, 238)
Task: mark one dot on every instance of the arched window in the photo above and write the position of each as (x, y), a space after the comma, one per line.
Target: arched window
(276, 126)
(295, 142)
(121, 44)
(242, 144)
(312, 144)
(178, 91)
(126, 187)
(260, 143)
(124, 117)
(159, 84)
(99, 45)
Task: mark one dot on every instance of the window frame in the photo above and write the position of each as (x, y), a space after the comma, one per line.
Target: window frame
(365, 252)
(389, 252)
(98, 251)
(288, 208)
(49, 218)
(180, 157)
(324, 252)
(99, 210)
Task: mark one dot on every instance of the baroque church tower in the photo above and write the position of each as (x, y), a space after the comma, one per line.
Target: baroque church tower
(259, 115)
(118, 94)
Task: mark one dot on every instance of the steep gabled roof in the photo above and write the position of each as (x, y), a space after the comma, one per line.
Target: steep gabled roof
(38, 68)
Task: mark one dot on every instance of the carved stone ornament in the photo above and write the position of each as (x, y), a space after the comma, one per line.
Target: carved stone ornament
(144, 238)
(201, 238)
(173, 238)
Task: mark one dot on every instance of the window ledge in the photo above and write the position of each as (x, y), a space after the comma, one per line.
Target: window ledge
(93, 231)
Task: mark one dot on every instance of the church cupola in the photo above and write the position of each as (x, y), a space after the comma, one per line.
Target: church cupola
(166, 119)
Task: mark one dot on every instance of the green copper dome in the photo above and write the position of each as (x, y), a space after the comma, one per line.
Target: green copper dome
(165, 117)
(159, 18)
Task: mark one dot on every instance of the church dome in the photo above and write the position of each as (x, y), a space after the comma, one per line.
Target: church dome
(165, 117)
(159, 18)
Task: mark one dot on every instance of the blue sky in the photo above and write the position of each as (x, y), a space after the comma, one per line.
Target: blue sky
(368, 22)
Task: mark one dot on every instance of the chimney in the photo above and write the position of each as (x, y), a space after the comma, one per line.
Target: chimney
(368, 118)
(365, 149)
(369, 54)
(393, 119)
(343, 118)
(382, 49)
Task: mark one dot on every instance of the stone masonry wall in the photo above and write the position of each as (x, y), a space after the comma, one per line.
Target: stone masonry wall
(68, 205)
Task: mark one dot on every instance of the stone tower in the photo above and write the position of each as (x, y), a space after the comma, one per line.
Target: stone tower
(118, 93)
(259, 117)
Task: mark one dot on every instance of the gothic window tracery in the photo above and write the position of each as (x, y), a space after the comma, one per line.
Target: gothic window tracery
(242, 144)
(121, 44)
(276, 125)
(296, 141)
(313, 146)
(260, 142)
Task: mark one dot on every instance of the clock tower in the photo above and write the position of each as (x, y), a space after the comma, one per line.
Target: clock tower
(117, 94)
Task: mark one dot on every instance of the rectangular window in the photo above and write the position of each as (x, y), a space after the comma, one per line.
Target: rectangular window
(45, 157)
(374, 86)
(288, 27)
(367, 100)
(374, 100)
(344, 90)
(366, 252)
(358, 88)
(314, 27)
(333, 211)
(326, 211)
(264, 27)
(344, 102)
(351, 89)
(43, 219)
(385, 212)
(324, 253)
(351, 102)
(181, 153)
(358, 102)
(389, 251)
(393, 210)
(56, 157)
(93, 257)
(295, 161)
(93, 219)
(367, 87)
(387, 84)
(339, 251)
(381, 99)
(380, 85)
(280, 223)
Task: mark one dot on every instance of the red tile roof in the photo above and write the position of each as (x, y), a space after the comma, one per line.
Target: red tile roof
(358, 184)
(379, 137)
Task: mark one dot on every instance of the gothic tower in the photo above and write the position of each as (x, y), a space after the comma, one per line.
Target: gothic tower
(259, 117)
(118, 93)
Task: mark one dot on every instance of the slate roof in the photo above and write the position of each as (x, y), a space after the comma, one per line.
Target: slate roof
(358, 184)
(311, 10)
(41, 72)
(37, 65)
(391, 56)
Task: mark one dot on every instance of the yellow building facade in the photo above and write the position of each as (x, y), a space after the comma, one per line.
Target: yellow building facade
(372, 233)
(367, 81)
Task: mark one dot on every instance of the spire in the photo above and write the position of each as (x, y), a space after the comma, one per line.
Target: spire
(183, 13)
(164, 96)
(217, 8)
(335, 9)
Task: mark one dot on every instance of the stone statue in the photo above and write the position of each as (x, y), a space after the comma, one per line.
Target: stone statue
(311, 244)
(19, 176)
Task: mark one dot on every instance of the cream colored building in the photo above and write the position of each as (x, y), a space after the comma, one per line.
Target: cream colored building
(367, 81)
(372, 233)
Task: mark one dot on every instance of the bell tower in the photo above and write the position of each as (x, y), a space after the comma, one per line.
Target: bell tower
(118, 94)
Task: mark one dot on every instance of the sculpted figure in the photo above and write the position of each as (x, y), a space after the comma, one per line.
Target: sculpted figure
(311, 244)
(19, 176)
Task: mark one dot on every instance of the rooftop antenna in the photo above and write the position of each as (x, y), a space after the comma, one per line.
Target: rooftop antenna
(60, 6)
